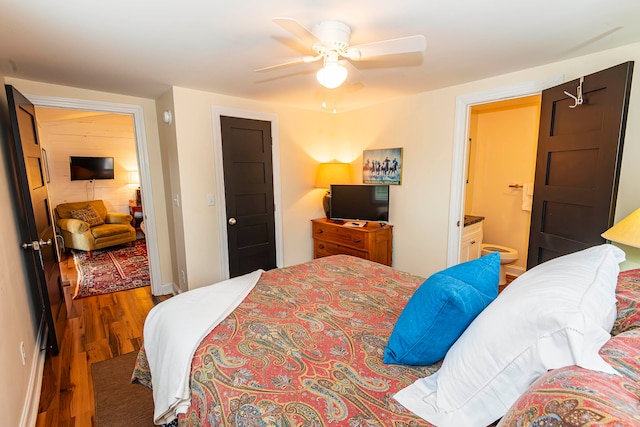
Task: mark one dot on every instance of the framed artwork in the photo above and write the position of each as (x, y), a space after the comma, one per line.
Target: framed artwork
(45, 162)
(382, 166)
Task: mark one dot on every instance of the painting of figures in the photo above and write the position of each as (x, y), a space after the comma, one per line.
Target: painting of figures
(382, 166)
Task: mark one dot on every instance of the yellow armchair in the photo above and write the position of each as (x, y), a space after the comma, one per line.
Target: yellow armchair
(88, 226)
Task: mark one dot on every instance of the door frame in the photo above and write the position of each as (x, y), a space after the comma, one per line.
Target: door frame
(216, 112)
(460, 136)
(137, 113)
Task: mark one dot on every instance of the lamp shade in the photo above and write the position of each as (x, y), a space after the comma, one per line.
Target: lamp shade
(333, 173)
(626, 232)
(134, 177)
(331, 75)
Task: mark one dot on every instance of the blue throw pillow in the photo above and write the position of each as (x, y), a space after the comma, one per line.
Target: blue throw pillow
(441, 309)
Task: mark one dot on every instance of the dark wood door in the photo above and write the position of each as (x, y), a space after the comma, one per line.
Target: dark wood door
(578, 163)
(248, 183)
(37, 229)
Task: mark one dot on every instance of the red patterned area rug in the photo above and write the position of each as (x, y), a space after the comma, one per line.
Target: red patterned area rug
(111, 270)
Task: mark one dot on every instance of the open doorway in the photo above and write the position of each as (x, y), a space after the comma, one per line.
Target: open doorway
(137, 114)
(92, 137)
(501, 155)
(464, 103)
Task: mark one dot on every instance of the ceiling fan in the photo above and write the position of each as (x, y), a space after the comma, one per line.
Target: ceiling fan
(329, 42)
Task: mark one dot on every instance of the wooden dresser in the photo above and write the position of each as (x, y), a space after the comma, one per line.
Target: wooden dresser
(372, 242)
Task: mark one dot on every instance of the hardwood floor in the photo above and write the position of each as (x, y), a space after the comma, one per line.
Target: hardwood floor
(98, 328)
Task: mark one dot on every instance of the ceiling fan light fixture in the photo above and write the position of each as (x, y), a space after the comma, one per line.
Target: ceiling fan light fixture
(331, 75)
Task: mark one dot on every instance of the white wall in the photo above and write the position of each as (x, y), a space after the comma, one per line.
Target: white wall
(418, 210)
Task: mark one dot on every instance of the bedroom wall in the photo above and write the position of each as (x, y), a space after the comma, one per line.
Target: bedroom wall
(305, 139)
(28, 87)
(17, 318)
(424, 124)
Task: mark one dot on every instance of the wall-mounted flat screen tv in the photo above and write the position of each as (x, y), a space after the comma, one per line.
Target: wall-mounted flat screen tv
(90, 168)
(360, 202)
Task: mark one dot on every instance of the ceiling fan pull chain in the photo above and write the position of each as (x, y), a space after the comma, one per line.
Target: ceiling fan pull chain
(324, 93)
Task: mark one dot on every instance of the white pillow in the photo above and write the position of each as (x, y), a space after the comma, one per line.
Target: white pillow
(557, 314)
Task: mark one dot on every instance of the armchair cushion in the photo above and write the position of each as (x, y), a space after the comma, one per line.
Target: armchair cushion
(63, 210)
(106, 230)
(118, 218)
(89, 215)
(73, 225)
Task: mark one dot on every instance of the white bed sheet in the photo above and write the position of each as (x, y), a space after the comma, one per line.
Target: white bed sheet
(174, 329)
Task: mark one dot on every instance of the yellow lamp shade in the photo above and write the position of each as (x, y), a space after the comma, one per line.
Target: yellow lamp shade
(626, 232)
(333, 173)
(134, 177)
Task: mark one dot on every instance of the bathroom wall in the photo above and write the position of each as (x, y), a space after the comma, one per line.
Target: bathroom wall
(502, 152)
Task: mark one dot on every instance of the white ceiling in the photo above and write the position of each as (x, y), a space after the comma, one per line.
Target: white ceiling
(142, 47)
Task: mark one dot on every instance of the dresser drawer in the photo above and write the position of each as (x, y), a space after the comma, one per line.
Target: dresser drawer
(323, 248)
(346, 236)
(372, 242)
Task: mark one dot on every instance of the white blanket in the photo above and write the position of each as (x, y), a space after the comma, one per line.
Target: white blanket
(172, 332)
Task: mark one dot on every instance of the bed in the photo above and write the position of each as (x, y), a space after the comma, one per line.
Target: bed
(305, 349)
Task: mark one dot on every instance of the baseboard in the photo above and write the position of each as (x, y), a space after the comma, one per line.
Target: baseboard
(168, 288)
(30, 409)
(514, 270)
(176, 289)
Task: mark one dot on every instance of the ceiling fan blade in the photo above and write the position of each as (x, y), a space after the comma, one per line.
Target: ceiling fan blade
(284, 64)
(355, 75)
(298, 30)
(301, 60)
(388, 47)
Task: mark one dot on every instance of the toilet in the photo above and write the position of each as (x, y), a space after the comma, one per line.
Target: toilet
(507, 256)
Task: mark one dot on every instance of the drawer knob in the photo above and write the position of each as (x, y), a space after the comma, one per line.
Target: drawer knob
(319, 231)
(357, 240)
(321, 246)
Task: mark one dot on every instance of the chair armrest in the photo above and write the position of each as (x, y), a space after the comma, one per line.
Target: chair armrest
(73, 225)
(118, 218)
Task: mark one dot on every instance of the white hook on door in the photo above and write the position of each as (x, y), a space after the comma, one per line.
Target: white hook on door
(577, 99)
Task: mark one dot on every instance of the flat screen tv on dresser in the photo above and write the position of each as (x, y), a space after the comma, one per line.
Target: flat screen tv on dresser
(359, 202)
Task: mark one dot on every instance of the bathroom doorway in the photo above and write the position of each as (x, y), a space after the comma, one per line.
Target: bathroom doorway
(501, 154)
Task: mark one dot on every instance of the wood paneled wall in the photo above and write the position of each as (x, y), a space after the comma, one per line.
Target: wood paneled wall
(65, 133)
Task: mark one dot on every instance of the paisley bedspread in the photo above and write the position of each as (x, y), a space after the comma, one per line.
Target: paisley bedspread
(305, 349)
(575, 397)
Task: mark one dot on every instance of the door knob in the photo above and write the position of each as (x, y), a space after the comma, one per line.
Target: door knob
(36, 244)
(232, 221)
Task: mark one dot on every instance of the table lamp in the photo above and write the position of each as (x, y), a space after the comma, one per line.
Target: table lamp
(626, 232)
(331, 173)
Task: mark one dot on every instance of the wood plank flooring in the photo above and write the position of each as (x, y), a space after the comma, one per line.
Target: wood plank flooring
(98, 328)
